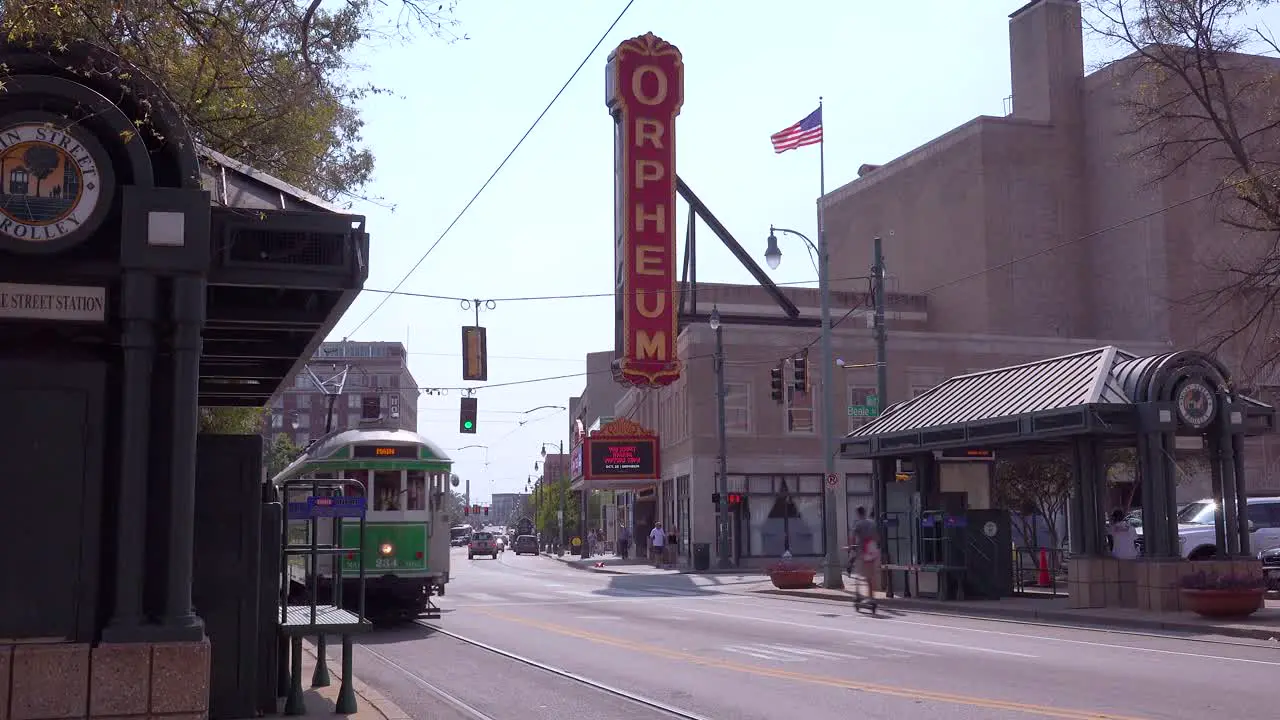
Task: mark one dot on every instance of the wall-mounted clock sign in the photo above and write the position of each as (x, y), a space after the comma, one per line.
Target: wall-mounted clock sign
(1196, 404)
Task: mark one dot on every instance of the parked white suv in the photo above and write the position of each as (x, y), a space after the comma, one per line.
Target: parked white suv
(1198, 538)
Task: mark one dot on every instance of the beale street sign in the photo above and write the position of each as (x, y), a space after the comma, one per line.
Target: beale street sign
(68, 303)
(644, 92)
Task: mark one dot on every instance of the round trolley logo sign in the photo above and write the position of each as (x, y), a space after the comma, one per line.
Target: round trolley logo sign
(49, 183)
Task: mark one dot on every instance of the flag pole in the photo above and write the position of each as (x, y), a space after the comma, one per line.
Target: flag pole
(835, 487)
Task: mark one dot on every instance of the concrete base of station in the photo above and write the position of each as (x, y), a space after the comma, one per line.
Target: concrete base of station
(116, 680)
(1151, 585)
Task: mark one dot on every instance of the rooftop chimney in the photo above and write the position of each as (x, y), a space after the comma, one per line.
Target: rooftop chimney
(1046, 60)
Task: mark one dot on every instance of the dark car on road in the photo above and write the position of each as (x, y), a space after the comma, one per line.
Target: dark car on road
(525, 544)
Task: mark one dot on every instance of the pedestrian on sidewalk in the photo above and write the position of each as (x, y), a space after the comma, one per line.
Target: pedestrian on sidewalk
(1123, 537)
(657, 544)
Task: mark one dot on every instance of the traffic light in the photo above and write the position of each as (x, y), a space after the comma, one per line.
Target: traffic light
(801, 365)
(467, 418)
(715, 498)
(486, 509)
(775, 383)
(466, 509)
(735, 498)
(475, 353)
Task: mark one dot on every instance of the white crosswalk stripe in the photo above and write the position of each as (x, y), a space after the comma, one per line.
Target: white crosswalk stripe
(788, 653)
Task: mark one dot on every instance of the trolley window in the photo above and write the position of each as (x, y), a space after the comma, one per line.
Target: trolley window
(416, 490)
(386, 489)
(352, 490)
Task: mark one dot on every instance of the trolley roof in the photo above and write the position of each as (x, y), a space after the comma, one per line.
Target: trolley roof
(334, 452)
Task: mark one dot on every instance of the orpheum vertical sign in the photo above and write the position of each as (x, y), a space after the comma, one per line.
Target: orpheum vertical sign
(645, 89)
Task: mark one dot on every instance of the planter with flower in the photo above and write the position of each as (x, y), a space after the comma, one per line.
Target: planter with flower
(1222, 595)
(790, 575)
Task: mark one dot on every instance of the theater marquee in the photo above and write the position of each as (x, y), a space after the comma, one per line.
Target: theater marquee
(645, 89)
(621, 450)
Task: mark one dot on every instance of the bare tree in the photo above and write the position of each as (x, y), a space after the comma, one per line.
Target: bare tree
(1033, 489)
(1199, 100)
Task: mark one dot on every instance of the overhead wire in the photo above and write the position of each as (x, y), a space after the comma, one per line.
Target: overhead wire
(498, 169)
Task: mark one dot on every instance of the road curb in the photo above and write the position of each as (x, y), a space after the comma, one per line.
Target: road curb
(579, 566)
(370, 696)
(1049, 617)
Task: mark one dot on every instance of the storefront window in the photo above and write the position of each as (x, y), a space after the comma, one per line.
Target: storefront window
(783, 513)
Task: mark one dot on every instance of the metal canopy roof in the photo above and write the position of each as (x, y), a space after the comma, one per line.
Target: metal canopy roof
(1046, 400)
(285, 267)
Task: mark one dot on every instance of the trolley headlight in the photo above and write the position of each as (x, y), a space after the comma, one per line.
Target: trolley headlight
(386, 549)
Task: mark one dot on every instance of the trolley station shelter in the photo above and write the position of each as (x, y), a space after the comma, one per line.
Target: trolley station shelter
(947, 540)
(141, 277)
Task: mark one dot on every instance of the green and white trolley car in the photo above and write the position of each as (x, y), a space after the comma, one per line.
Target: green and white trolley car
(406, 546)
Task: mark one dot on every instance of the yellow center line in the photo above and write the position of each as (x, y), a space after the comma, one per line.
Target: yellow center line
(889, 690)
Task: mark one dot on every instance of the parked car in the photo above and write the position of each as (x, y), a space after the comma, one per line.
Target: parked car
(1271, 567)
(525, 544)
(482, 543)
(1197, 534)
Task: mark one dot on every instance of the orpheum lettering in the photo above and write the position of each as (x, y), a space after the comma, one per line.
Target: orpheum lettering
(645, 92)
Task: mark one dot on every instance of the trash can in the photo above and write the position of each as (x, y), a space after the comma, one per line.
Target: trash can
(701, 557)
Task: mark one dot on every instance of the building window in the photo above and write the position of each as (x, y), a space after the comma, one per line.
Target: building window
(304, 421)
(859, 398)
(737, 407)
(277, 421)
(353, 402)
(302, 401)
(799, 404)
(302, 382)
(781, 513)
(858, 490)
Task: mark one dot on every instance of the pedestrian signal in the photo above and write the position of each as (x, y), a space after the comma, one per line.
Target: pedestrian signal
(735, 498)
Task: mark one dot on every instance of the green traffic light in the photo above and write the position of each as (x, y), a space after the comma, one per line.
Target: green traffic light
(468, 424)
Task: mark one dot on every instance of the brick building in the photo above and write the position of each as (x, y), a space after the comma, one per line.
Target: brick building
(378, 383)
(986, 195)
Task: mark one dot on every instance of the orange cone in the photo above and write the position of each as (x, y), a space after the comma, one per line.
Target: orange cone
(1044, 580)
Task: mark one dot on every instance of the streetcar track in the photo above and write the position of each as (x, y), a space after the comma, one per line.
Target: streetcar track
(457, 702)
(641, 700)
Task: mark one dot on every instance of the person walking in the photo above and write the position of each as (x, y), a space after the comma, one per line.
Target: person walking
(657, 544)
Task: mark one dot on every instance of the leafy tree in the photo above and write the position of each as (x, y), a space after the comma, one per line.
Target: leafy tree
(263, 81)
(232, 420)
(1200, 102)
(282, 451)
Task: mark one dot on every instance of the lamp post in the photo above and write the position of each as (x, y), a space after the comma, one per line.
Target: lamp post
(722, 527)
(564, 491)
(773, 256)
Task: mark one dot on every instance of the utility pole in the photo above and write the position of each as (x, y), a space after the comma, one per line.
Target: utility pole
(722, 527)
(832, 566)
(882, 374)
(564, 492)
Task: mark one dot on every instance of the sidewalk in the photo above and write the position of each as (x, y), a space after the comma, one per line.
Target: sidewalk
(321, 702)
(614, 565)
(1262, 625)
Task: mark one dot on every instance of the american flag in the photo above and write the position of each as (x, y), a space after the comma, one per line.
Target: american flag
(806, 132)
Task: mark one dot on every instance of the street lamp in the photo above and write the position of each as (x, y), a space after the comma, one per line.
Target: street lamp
(722, 527)
(564, 492)
(773, 256)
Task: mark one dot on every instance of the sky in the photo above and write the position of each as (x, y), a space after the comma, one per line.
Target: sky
(892, 75)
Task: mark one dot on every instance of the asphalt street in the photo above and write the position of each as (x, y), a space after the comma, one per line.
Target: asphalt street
(699, 645)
